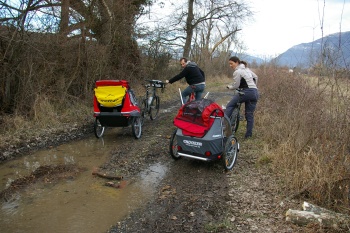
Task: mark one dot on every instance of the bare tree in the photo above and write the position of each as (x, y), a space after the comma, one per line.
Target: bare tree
(59, 48)
(215, 14)
(207, 22)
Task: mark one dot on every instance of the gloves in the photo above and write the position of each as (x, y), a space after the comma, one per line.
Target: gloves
(167, 81)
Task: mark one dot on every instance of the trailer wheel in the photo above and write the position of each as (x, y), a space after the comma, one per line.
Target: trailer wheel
(230, 153)
(173, 146)
(137, 127)
(98, 128)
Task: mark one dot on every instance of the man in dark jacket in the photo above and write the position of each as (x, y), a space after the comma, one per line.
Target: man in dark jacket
(194, 76)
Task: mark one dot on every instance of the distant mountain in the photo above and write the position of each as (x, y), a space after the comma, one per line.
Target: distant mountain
(251, 60)
(334, 48)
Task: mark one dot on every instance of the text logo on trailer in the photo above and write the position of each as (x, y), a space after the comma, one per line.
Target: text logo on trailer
(192, 143)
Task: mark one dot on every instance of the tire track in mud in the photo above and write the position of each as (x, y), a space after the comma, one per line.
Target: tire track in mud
(197, 196)
(189, 198)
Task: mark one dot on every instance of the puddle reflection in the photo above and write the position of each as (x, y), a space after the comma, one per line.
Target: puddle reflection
(80, 205)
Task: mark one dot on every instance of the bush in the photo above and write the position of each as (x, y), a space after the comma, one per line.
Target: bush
(305, 122)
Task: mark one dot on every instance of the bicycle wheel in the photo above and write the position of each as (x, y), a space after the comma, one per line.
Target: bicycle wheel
(98, 128)
(226, 127)
(230, 153)
(143, 110)
(235, 119)
(136, 127)
(154, 107)
(173, 146)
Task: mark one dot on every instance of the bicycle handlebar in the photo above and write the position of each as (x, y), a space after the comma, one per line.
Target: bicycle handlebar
(240, 91)
(153, 81)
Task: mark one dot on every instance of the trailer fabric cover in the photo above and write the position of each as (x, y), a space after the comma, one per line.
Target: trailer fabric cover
(194, 117)
(110, 96)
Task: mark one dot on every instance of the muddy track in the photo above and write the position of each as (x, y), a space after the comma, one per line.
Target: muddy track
(194, 196)
(197, 196)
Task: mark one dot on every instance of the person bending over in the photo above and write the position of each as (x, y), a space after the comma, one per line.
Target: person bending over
(194, 76)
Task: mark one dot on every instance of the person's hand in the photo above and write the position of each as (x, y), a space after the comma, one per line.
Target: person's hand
(167, 81)
(227, 87)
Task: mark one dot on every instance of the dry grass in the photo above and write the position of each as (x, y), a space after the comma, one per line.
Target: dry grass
(49, 117)
(307, 131)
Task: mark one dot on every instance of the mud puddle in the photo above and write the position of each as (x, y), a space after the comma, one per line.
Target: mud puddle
(82, 204)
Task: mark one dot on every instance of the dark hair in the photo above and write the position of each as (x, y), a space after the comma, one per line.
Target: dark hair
(183, 58)
(245, 63)
(235, 59)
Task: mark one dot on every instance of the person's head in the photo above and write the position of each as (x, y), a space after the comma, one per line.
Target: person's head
(234, 62)
(183, 62)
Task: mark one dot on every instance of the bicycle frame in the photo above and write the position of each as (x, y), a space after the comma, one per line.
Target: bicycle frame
(151, 101)
(182, 101)
(149, 97)
(191, 97)
(235, 116)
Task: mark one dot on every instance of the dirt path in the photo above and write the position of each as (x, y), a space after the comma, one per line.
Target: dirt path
(199, 196)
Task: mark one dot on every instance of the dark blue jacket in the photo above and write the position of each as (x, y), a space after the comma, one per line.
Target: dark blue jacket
(192, 73)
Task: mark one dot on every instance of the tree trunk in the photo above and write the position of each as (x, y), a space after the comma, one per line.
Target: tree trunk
(64, 18)
(189, 29)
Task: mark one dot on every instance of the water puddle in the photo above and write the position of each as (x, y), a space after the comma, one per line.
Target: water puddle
(224, 101)
(165, 110)
(174, 108)
(82, 204)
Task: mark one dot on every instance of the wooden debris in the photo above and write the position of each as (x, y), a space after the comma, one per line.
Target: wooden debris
(106, 176)
(315, 215)
(111, 184)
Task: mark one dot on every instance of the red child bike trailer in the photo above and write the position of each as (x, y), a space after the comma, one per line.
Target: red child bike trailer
(115, 105)
(204, 133)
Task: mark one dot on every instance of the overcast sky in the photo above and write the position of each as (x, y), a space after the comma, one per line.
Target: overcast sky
(281, 24)
(278, 25)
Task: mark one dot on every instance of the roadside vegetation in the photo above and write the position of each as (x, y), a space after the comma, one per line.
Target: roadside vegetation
(303, 122)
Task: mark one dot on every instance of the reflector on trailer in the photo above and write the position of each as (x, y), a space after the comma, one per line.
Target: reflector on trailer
(207, 153)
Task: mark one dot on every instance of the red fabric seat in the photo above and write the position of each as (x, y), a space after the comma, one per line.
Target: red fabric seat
(194, 117)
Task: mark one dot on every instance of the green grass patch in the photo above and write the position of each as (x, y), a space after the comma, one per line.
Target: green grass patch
(218, 227)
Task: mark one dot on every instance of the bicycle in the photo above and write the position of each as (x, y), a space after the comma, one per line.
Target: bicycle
(236, 114)
(192, 96)
(151, 101)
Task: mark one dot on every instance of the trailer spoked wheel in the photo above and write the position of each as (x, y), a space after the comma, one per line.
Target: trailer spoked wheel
(98, 128)
(231, 152)
(137, 127)
(173, 146)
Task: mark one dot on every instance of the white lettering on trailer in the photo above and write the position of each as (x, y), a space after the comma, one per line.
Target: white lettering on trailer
(192, 143)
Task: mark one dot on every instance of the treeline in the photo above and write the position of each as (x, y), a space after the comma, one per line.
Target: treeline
(55, 50)
(61, 59)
